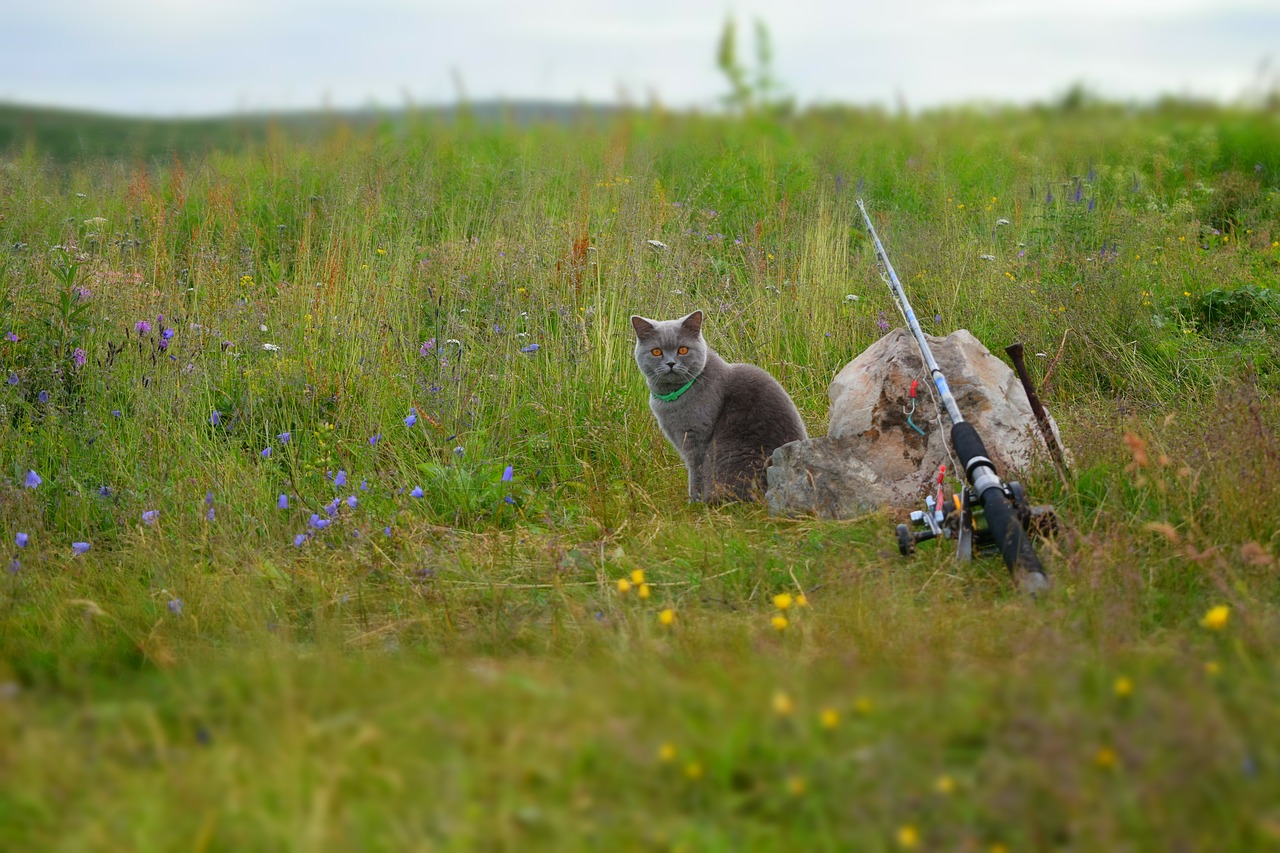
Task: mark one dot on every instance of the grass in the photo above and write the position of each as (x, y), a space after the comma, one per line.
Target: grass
(462, 669)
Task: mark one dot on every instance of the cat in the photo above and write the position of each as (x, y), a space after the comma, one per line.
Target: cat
(725, 420)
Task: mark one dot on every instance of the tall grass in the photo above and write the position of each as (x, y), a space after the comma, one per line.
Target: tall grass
(424, 308)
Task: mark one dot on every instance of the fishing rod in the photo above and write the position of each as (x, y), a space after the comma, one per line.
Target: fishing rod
(1000, 502)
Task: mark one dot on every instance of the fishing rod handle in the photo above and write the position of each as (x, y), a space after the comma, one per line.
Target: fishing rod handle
(997, 507)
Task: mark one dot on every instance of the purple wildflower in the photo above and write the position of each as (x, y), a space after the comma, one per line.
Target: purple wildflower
(284, 437)
(14, 566)
(266, 453)
(150, 516)
(142, 326)
(80, 547)
(215, 418)
(459, 451)
(209, 516)
(507, 474)
(427, 346)
(417, 492)
(12, 337)
(883, 322)
(340, 479)
(386, 531)
(299, 540)
(167, 334)
(208, 498)
(364, 485)
(319, 523)
(375, 438)
(331, 507)
(509, 499)
(79, 356)
(282, 502)
(411, 420)
(43, 396)
(116, 413)
(352, 501)
(13, 379)
(1093, 201)
(21, 540)
(33, 479)
(531, 348)
(175, 606)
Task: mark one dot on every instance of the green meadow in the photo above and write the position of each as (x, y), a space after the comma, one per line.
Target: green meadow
(335, 517)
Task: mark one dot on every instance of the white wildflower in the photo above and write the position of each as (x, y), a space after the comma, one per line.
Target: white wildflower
(271, 347)
(657, 244)
(1002, 221)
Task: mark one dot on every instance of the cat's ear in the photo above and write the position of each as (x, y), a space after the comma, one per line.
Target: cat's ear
(642, 326)
(692, 323)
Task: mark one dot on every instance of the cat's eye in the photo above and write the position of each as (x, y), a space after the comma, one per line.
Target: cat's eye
(657, 353)
(683, 350)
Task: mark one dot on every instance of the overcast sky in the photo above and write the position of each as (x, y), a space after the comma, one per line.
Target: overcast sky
(195, 57)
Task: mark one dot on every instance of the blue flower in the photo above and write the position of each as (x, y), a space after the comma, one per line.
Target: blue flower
(80, 547)
(352, 501)
(208, 516)
(215, 418)
(386, 531)
(417, 492)
(14, 566)
(299, 540)
(104, 491)
(150, 516)
(21, 540)
(33, 479)
(459, 451)
(319, 523)
(411, 420)
(43, 396)
(208, 498)
(340, 479)
(266, 453)
(364, 485)
(12, 337)
(13, 379)
(282, 502)
(331, 507)
(175, 606)
(116, 413)
(375, 438)
(507, 474)
(284, 437)
(509, 499)
(167, 334)
(531, 348)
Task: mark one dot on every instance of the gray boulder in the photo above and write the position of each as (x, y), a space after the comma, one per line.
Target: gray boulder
(872, 458)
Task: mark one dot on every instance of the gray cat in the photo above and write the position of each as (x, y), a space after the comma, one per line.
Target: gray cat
(724, 419)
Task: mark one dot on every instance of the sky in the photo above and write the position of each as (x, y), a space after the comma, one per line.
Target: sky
(205, 57)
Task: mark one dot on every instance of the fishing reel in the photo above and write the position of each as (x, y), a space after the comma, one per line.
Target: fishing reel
(956, 517)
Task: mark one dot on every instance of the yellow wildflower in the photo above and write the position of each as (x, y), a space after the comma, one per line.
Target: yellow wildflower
(782, 704)
(694, 770)
(908, 837)
(829, 718)
(782, 600)
(1216, 618)
(780, 622)
(1212, 668)
(667, 617)
(643, 591)
(1105, 757)
(667, 752)
(1123, 687)
(624, 585)
(862, 705)
(801, 600)
(945, 785)
(637, 576)
(381, 251)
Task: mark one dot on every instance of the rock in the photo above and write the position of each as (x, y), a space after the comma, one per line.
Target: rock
(872, 458)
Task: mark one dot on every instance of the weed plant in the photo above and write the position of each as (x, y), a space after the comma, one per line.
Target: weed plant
(335, 517)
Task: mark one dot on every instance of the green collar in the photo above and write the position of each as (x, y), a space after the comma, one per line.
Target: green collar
(675, 395)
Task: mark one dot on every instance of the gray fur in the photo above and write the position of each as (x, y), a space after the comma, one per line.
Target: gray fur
(730, 420)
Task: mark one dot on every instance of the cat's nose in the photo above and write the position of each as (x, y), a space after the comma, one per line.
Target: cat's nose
(671, 364)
